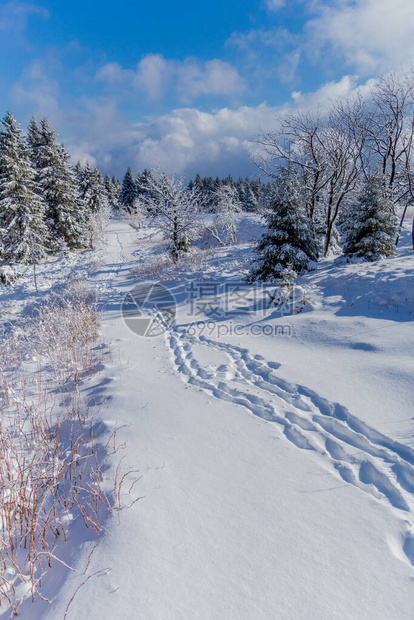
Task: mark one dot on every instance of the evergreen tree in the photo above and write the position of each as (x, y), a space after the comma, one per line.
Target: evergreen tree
(372, 226)
(198, 182)
(23, 233)
(113, 191)
(108, 186)
(58, 186)
(94, 200)
(92, 189)
(78, 170)
(128, 192)
(208, 190)
(288, 244)
(228, 180)
(116, 189)
(209, 185)
(240, 190)
(250, 201)
(145, 181)
(252, 193)
(33, 140)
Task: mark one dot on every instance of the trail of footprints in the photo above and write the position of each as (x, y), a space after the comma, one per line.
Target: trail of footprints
(359, 454)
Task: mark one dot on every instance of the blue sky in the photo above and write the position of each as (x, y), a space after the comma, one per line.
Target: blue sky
(189, 84)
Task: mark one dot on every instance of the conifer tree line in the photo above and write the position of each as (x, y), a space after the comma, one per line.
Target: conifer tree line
(340, 180)
(46, 205)
(252, 194)
(177, 208)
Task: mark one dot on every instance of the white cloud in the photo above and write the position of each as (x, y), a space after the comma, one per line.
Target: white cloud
(14, 15)
(213, 77)
(288, 67)
(190, 78)
(323, 98)
(277, 38)
(268, 54)
(190, 140)
(112, 73)
(185, 140)
(327, 94)
(367, 37)
(220, 142)
(152, 75)
(371, 35)
(38, 88)
(275, 5)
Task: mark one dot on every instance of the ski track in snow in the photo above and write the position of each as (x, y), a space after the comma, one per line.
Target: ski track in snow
(108, 282)
(352, 450)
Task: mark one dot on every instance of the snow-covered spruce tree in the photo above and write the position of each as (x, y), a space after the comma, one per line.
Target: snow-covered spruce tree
(58, 186)
(288, 245)
(372, 226)
(97, 223)
(174, 209)
(226, 207)
(128, 191)
(250, 201)
(92, 188)
(113, 191)
(144, 181)
(94, 201)
(33, 141)
(116, 185)
(23, 232)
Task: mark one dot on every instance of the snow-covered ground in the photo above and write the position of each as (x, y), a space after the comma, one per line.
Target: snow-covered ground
(276, 463)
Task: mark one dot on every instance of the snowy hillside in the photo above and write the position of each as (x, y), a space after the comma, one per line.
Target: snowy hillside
(275, 450)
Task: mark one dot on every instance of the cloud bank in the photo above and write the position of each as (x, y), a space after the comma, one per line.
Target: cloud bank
(190, 78)
(185, 140)
(103, 119)
(370, 35)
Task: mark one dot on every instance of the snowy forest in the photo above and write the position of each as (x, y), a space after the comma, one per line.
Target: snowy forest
(316, 247)
(341, 181)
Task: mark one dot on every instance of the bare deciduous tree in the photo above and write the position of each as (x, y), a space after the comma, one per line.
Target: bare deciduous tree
(332, 154)
(226, 207)
(391, 137)
(325, 155)
(174, 209)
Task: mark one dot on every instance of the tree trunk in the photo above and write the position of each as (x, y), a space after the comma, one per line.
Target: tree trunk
(175, 248)
(412, 233)
(328, 239)
(329, 228)
(401, 225)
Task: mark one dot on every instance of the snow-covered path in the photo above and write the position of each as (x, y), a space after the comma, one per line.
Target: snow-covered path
(381, 466)
(300, 511)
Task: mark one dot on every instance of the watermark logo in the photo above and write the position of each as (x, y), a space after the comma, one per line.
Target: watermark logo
(229, 328)
(149, 309)
(224, 300)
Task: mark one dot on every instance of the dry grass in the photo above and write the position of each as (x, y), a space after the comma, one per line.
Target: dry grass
(162, 267)
(203, 264)
(52, 461)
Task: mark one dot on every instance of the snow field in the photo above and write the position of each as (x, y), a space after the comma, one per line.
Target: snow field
(301, 510)
(275, 473)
